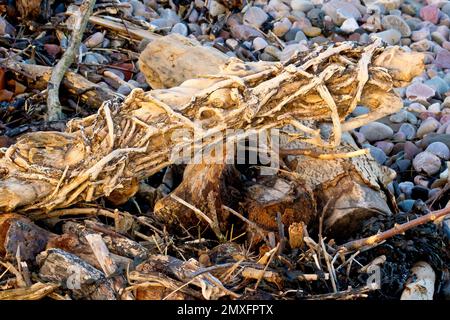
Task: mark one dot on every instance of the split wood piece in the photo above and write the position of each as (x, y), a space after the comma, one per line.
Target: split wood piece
(101, 253)
(74, 274)
(396, 230)
(37, 291)
(133, 140)
(420, 285)
(54, 109)
(185, 271)
(75, 245)
(18, 235)
(37, 77)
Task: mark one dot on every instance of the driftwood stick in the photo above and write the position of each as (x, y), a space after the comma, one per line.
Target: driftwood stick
(397, 229)
(53, 103)
(38, 77)
(324, 156)
(35, 292)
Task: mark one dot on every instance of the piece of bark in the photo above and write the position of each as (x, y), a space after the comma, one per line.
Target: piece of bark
(37, 291)
(38, 77)
(296, 234)
(173, 59)
(420, 285)
(70, 272)
(18, 231)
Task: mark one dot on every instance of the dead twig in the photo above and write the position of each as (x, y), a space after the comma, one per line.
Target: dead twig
(396, 230)
(53, 103)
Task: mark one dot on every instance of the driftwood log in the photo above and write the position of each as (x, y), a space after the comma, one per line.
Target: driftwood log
(108, 152)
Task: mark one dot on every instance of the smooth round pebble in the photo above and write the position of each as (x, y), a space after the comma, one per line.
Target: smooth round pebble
(180, 28)
(408, 130)
(406, 187)
(439, 149)
(427, 162)
(259, 43)
(255, 16)
(376, 131)
(427, 126)
(399, 117)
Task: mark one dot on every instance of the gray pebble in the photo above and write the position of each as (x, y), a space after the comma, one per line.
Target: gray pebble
(409, 130)
(376, 131)
(180, 28)
(427, 162)
(439, 149)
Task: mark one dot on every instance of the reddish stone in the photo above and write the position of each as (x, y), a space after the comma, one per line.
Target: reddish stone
(443, 59)
(425, 115)
(52, 49)
(127, 70)
(354, 37)
(430, 13)
(419, 91)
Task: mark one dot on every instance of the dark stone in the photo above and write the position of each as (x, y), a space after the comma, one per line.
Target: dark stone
(403, 165)
(406, 205)
(419, 192)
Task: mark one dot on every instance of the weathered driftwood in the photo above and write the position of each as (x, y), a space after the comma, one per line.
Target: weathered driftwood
(170, 61)
(37, 291)
(104, 153)
(38, 77)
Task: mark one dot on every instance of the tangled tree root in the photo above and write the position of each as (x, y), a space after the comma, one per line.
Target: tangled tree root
(124, 142)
